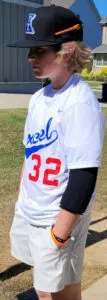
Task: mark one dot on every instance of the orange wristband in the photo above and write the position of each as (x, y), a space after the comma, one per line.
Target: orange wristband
(59, 244)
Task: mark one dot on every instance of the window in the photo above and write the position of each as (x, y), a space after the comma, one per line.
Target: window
(105, 60)
(99, 60)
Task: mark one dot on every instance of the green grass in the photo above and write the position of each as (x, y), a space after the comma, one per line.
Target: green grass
(11, 148)
(11, 160)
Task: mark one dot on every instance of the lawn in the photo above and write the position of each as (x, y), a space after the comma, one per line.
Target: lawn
(11, 160)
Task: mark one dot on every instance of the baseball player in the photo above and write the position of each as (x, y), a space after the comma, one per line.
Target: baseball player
(63, 141)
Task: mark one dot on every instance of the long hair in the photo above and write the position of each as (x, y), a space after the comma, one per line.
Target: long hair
(79, 55)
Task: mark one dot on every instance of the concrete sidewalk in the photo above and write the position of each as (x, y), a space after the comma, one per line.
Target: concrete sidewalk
(9, 101)
(97, 291)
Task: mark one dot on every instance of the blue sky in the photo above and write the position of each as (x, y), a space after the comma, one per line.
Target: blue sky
(101, 6)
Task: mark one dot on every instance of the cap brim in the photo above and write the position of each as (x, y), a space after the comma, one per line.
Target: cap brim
(30, 44)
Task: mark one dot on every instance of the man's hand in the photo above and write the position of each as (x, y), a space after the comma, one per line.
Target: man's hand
(65, 223)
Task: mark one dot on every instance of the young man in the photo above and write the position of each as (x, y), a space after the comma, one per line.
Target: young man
(63, 141)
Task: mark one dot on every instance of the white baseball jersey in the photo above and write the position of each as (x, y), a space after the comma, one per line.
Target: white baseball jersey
(64, 130)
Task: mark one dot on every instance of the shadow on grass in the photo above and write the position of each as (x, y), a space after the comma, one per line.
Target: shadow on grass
(99, 220)
(14, 271)
(95, 237)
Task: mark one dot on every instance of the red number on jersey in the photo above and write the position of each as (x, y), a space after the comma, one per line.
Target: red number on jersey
(55, 171)
(36, 167)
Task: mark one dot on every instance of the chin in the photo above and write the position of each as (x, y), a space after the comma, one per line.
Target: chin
(40, 76)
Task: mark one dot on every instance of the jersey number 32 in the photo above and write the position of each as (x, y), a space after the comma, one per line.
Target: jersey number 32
(50, 160)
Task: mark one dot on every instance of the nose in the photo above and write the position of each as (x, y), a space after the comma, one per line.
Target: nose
(31, 56)
(30, 59)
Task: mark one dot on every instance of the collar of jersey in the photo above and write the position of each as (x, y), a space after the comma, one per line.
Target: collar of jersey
(50, 92)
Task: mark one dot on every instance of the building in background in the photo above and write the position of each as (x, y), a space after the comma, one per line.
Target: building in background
(91, 19)
(88, 14)
(100, 53)
(13, 63)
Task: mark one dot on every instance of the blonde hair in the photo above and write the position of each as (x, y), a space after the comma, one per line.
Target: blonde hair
(79, 56)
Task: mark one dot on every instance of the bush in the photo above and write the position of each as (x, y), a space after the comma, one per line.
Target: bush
(104, 71)
(85, 73)
(91, 75)
(99, 75)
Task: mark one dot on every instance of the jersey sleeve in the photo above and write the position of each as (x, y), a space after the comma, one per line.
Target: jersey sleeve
(83, 136)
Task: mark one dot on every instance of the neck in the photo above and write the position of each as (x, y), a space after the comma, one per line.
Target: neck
(59, 81)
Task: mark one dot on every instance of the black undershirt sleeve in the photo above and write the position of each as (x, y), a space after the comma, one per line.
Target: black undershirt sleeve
(79, 190)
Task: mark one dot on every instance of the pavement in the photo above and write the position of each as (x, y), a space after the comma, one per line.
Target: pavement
(11, 101)
(98, 290)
